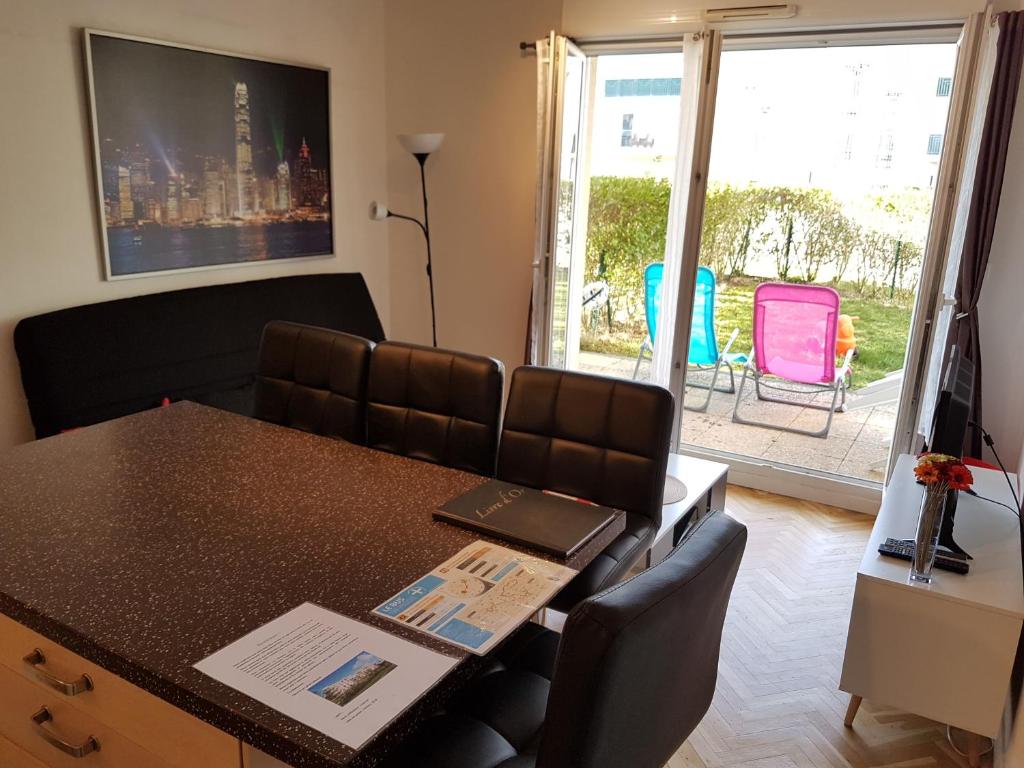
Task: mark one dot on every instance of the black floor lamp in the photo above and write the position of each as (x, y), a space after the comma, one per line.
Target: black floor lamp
(421, 145)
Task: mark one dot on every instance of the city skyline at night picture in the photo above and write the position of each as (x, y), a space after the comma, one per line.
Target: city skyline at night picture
(207, 159)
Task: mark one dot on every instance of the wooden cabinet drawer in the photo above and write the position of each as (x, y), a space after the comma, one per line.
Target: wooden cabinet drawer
(12, 756)
(22, 699)
(181, 741)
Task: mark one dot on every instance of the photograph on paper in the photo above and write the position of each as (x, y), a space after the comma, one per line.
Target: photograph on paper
(352, 678)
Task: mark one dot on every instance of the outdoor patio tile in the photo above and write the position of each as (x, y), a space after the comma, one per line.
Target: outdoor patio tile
(802, 457)
(695, 425)
(739, 438)
(721, 403)
(873, 434)
(855, 415)
(831, 446)
(865, 461)
(842, 426)
(776, 414)
(882, 417)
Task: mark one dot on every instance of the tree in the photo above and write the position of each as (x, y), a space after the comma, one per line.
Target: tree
(731, 216)
(625, 233)
(828, 236)
(781, 236)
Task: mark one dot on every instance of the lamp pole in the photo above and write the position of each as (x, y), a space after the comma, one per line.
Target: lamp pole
(421, 157)
(420, 146)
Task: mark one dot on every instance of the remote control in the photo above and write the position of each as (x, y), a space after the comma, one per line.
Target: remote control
(904, 550)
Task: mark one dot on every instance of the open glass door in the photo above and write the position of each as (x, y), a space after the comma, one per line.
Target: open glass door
(568, 203)
(823, 171)
(624, 167)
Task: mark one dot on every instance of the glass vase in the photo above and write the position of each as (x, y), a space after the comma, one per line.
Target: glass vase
(929, 521)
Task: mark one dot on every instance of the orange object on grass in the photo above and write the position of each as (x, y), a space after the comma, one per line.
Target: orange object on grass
(845, 338)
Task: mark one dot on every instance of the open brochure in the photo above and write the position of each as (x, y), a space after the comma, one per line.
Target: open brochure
(342, 677)
(476, 598)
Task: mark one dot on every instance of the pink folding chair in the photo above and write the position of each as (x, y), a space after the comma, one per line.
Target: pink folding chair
(795, 330)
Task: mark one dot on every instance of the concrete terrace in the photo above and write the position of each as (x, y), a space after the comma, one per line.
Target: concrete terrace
(857, 446)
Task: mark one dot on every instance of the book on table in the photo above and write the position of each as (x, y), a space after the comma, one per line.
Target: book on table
(550, 522)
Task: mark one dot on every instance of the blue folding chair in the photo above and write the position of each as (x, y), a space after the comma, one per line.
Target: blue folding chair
(703, 354)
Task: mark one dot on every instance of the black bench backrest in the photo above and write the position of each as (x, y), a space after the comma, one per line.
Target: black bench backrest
(87, 364)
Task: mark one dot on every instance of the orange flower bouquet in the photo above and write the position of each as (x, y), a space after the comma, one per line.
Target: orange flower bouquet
(939, 473)
(943, 472)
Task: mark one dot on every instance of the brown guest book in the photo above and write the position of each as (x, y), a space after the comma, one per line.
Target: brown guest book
(549, 522)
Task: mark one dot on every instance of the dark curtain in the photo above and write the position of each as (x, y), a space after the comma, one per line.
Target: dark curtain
(981, 222)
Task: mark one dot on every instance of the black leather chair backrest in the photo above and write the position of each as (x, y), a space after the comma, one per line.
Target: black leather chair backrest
(87, 364)
(637, 663)
(313, 379)
(602, 439)
(435, 405)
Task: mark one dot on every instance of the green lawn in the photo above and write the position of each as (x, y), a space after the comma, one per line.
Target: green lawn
(881, 331)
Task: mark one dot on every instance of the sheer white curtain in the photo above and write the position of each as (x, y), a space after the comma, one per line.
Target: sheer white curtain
(542, 214)
(982, 87)
(668, 364)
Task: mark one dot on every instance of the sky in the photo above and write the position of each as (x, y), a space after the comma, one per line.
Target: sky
(789, 116)
(161, 97)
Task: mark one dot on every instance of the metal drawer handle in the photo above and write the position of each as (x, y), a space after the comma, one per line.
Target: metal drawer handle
(75, 750)
(36, 659)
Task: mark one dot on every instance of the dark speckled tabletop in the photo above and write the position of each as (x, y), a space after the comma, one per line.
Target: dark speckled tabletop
(146, 543)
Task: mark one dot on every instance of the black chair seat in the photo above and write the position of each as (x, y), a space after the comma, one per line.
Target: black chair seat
(611, 565)
(496, 721)
(625, 684)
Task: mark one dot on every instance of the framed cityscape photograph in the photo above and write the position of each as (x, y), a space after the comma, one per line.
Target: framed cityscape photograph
(206, 159)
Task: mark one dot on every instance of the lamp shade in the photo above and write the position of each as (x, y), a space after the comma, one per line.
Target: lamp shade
(378, 211)
(421, 143)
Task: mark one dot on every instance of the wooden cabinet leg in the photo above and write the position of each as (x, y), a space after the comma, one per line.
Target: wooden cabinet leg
(851, 711)
(973, 749)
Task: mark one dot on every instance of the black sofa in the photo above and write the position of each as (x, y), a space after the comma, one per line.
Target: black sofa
(87, 364)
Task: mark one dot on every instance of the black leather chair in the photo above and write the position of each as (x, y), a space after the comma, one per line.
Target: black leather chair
(313, 379)
(602, 439)
(436, 405)
(631, 677)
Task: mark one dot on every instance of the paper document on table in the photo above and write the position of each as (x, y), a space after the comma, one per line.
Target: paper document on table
(476, 598)
(337, 675)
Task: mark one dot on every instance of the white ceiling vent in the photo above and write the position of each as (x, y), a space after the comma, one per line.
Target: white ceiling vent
(750, 12)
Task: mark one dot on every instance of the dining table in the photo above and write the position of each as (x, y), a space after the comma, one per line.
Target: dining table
(144, 544)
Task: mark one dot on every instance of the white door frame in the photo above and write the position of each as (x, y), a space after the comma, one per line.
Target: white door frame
(804, 483)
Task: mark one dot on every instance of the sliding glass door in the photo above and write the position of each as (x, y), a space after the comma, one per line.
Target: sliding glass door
(617, 163)
(823, 171)
(690, 177)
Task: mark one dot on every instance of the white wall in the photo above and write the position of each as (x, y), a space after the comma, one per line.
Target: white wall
(50, 254)
(614, 18)
(456, 67)
(1000, 315)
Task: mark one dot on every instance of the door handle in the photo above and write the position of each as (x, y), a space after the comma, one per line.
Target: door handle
(36, 659)
(74, 750)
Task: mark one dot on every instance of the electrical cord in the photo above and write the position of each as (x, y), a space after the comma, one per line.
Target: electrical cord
(992, 447)
(1013, 491)
(971, 492)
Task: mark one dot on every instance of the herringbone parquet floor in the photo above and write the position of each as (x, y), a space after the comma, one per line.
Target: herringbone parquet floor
(777, 703)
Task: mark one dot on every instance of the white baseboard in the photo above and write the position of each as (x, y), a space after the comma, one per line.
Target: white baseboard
(856, 495)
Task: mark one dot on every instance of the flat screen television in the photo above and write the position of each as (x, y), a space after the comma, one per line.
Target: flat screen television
(953, 406)
(950, 421)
